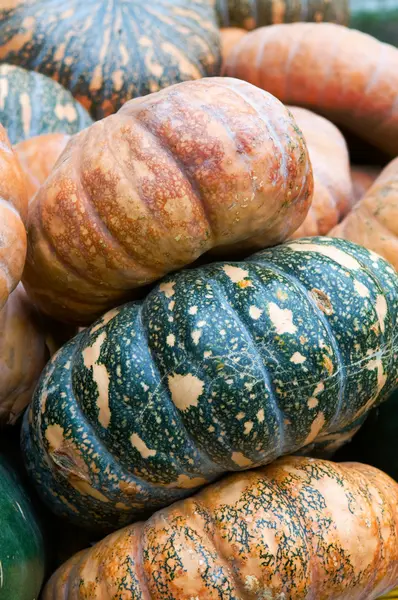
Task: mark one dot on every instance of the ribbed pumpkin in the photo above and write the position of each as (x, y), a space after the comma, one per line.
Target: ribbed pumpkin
(107, 52)
(330, 161)
(363, 178)
(13, 209)
(221, 368)
(37, 157)
(347, 76)
(32, 104)
(250, 14)
(373, 222)
(297, 529)
(22, 557)
(214, 164)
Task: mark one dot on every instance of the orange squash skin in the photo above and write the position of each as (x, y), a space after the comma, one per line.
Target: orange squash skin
(347, 76)
(331, 167)
(214, 164)
(13, 210)
(37, 157)
(363, 178)
(230, 36)
(373, 222)
(300, 528)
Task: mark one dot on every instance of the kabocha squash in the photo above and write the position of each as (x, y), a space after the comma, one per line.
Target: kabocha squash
(347, 76)
(32, 104)
(38, 156)
(22, 552)
(250, 14)
(297, 529)
(221, 368)
(373, 222)
(330, 161)
(363, 178)
(214, 164)
(23, 354)
(13, 209)
(108, 52)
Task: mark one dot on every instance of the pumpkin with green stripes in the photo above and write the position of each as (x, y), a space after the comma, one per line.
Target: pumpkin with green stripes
(32, 104)
(221, 368)
(107, 52)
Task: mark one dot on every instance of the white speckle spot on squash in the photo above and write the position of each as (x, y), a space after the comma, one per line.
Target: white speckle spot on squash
(66, 111)
(193, 310)
(187, 483)
(26, 112)
(86, 489)
(241, 460)
(3, 92)
(196, 335)
(319, 388)
(141, 446)
(316, 427)
(335, 254)
(207, 354)
(111, 314)
(55, 436)
(381, 310)
(171, 304)
(185, 390)
(91, 355)
(236, 274)
(260, 415)
(361, 289)
(171, 340)
(248, 426)
(255, 312)
(312, 403)
(282, 319)
(168, 289)
(252, 584)
(240, 416)
(298, 358)
(381, 375)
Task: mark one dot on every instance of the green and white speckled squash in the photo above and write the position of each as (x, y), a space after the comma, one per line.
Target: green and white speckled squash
(221, 368)
(32, 104)
(106, 52)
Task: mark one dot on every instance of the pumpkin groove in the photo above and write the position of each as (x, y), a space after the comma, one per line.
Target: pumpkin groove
(220, 369)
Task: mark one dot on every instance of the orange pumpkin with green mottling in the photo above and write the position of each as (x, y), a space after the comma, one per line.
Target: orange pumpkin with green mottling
(300, 528)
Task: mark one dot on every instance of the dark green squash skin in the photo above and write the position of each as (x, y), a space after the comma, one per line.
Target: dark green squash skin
(22, 555)
(32, 104)
(260, 357)
(109, 51)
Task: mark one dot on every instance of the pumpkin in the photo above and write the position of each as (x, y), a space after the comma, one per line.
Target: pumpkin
(13, 209)
(331, 166)
(32, 104)
(209, 164)
(347, 76)
(363, 178)
(37, 157)
(22, 556)
(373, 222)
(108, 52)
(221, 368)
(379, 18)
(21, 363)
(229, 38)
(299, 528)
(250, 14)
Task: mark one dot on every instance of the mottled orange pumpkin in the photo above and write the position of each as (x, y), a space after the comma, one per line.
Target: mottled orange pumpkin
(37, 156)
(300, 528)
(214, 164)
(331, 166)
(373, 222)
(13, 209)
(363, 178)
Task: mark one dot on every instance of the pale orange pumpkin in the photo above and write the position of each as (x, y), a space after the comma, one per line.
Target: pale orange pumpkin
(362, 178)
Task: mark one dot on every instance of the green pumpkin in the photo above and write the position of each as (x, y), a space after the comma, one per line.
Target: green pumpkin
(22, 560)
(376, 17)
(107, 52)
(221, 368)
(32, 104)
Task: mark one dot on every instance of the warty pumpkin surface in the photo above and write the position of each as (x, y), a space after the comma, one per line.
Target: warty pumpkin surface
(250, 14)
(37, 157)
(297, 529)
(345, 75)
(32, 104)
(221, 368)
(330, 161)
(373, 222)
(13, 212)
(106, 52)
(214, 164)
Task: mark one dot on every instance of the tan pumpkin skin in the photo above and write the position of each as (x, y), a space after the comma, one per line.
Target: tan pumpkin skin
(373, 222)
(13, 210)
(230, 36)
(363, 178)
(37, 156)
(214, 164)
(331, 167)
(23, 354)
(347, 76)
(298, 529)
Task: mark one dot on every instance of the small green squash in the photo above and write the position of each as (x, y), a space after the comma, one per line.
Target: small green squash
(32, 104)
(22, 555)
(221, 368)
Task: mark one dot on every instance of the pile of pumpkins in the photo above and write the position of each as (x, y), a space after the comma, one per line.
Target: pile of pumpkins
(198, 301)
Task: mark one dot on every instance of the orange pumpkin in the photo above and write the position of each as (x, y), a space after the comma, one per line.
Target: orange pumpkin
(214, 164)
(300, 528)
(37, 156)
(343, 74)
(13, 209)
(363, 178)
(230, 36)
(373, 222)
(331, 166)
